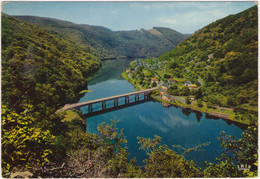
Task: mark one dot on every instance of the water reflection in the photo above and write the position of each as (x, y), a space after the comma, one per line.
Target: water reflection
(166, 121)
(198, 115)
(186, 111)
(111, 69)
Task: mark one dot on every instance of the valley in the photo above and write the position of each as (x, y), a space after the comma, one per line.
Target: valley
(209, 81)
(107, 44)
(201, 122)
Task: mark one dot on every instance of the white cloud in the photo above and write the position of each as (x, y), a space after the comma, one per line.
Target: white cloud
(190, 21)
(167, 20)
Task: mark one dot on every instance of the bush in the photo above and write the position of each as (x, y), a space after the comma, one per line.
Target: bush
(166, 76)
(199, 103)
(154, 84)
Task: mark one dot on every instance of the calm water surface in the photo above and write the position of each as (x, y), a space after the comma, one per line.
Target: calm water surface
(174, 125)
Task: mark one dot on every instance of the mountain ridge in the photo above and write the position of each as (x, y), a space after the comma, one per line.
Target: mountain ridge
(106, 43)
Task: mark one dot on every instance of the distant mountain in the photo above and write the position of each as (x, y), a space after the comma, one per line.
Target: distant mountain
(111, 44)
(224, 55)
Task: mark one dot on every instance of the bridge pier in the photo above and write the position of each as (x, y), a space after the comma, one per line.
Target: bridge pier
(115, 102)
(146, 95)
(104, 105)
(90, 109)
(137, 97)
(126, 99)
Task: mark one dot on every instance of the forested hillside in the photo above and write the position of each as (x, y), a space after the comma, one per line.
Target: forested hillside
(40, 73)
(43, 68)
(222, 57)
(112, 44)
(35, 62)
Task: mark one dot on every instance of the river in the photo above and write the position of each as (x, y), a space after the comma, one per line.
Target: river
(174, 125)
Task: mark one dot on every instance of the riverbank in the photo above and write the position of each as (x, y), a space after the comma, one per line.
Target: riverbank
(209, 111)
(215, 112)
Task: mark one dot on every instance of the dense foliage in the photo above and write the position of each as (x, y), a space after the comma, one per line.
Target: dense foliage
(221, 58)
(112, 44)
(164, 162)
(41, 71)
(22, 143)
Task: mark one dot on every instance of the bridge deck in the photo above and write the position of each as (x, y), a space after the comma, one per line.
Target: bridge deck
(70, 106)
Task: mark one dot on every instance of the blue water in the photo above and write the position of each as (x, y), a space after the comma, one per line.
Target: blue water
(174, 125)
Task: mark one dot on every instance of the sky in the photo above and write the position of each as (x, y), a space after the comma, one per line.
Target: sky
(185, 17)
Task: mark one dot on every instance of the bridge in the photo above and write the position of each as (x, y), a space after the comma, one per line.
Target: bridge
(146, 94)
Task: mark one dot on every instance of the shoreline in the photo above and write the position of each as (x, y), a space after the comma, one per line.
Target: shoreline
(218, 115)
(210, 112)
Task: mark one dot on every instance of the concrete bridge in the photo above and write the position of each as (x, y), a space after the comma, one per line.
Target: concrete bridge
(114, 108)
(103, 101)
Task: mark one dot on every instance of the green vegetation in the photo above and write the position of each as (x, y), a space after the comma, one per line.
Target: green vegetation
(164, 162)
(106, 43)
(222, 59)
(41, 69)
(42, 72)
(22, 143)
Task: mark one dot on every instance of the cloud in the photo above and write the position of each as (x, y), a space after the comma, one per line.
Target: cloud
(167, 20)
(191, 20)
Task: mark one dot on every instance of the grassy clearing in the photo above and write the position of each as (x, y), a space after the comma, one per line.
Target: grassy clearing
(131, 80)
(70, 115)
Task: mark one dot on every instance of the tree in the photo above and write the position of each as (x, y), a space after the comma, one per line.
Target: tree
(199, 94)
(199, 103)
(154, 84)
(209, 77)
(244, 150)
(164, 162)
(242, 97)
(173, 65)
(166, 76)
(185, 91)
(230, 102)
(222, 69)
(23, 145)
(173, 87)
(187, 99)
(220, 170)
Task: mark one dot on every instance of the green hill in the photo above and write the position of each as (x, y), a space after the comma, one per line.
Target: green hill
(39, 68)
(111, 44)
(223, 57)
